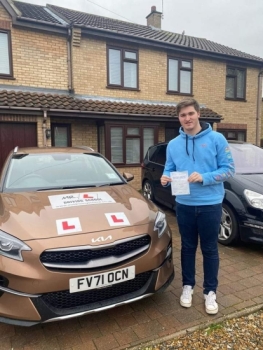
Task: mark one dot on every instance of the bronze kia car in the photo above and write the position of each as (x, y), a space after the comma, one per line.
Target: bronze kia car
(75, 238)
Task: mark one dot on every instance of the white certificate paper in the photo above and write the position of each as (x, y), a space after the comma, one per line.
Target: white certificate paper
(179, 184)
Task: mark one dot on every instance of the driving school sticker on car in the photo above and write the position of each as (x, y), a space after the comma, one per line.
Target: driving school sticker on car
(70, 225)
(76, 199)
(117, 219)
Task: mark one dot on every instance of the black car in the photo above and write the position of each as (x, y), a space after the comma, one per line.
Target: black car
(242, 215)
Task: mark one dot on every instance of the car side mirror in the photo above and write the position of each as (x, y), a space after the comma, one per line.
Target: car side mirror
(128, 177)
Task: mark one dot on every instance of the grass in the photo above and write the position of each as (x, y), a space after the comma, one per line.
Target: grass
(213, 327)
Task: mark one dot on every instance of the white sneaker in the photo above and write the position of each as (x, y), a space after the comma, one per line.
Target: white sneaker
(211, 306)
(186, 296)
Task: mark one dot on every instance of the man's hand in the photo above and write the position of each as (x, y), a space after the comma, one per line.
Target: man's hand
(165, 179)
(195, 177)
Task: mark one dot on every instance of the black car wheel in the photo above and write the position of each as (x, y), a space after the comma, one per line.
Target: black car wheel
(147, 190)
(228, 232)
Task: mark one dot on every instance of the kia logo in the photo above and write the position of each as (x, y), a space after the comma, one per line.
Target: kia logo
(101, 239)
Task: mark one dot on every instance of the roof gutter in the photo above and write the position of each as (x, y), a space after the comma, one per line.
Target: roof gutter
(40, 25)
(26, 19)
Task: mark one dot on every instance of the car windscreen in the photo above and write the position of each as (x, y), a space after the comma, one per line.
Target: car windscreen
(248, 158)
(59, 170)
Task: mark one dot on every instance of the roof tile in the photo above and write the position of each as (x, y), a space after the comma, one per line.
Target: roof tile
(11, 98)
(36, 12)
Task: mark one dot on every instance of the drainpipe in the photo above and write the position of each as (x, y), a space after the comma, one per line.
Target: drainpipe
(44, 127)
(259, 99)
(69, 61)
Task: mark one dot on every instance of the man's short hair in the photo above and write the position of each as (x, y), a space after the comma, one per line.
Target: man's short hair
(186, 103)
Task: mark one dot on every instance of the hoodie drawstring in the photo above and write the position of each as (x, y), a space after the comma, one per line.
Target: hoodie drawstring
(186, 147)
(194, 149)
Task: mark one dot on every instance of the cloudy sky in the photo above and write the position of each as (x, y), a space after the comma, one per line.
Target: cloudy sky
(234, 23)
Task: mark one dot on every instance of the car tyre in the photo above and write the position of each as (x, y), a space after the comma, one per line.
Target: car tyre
(228, 232)
(147, 190)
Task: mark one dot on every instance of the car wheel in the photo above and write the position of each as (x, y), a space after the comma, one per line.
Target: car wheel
(228, 232)
(147, 190)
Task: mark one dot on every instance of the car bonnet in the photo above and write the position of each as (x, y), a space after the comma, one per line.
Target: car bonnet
(252, 182)
(47, 214)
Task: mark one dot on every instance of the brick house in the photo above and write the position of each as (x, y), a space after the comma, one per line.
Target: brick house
(69, 78)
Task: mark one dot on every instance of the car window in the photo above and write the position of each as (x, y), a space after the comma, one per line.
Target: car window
(59, 170)
(248, 158)
(160, 155)
(151, 152)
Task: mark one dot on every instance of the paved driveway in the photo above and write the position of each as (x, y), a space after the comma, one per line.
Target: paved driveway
(240, 287)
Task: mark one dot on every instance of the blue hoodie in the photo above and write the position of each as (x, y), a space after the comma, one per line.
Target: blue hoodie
(206, 153)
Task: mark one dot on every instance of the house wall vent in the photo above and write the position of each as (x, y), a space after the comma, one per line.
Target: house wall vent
(76, 36)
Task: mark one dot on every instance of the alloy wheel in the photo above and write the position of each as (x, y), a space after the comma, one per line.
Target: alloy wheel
(147, 190)
(225, 226)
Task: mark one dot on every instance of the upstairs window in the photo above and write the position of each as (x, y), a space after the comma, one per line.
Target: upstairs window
(179, 78)
(122, 68)
(235, 83)
(5, 56)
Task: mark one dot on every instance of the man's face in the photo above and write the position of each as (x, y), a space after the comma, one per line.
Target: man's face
(189, 119)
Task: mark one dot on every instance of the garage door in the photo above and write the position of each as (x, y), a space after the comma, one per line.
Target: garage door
(16, 134)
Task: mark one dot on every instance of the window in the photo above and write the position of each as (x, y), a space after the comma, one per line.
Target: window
(159, 156)
(238, 135)
(171, 132)
(235, 83)
(61, 135)
(122, 68)
(127, 144)
(180, 73)
(6, 69)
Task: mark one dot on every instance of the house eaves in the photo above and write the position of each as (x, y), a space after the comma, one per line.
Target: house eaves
(66, 105)
(40, 25)
(152, 43)
(155, 37)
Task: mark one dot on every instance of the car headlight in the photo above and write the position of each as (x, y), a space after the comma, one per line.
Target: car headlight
(254, 199)
(160, 223)
(12, 247)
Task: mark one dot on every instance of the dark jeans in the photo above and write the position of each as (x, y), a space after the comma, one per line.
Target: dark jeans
(203, 220)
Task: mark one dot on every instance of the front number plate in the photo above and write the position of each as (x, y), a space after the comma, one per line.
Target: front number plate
(101, 280)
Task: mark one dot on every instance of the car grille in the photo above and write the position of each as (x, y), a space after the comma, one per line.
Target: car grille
(78, 256)
(65, 300)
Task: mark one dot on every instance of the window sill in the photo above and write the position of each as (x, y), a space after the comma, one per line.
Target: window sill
(122, 88)
(178, 93)
(235, 99)
(7, 77)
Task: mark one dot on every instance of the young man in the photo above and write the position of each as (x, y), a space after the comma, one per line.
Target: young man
(205, 154)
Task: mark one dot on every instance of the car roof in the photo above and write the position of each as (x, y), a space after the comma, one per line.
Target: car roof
(159, 144)
(39, 150)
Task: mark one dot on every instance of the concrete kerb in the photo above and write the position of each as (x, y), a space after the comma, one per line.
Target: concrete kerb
(244, 312)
